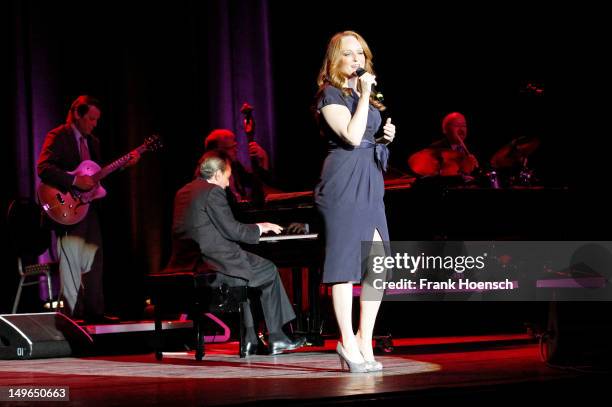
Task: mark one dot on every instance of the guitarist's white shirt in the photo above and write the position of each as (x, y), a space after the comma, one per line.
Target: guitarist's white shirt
(78, 136)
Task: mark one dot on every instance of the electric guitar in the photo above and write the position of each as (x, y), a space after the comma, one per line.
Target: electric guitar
(69, 208)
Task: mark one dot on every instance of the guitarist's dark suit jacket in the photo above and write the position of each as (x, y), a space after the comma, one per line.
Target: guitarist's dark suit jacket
(60, 154)
(205, 238)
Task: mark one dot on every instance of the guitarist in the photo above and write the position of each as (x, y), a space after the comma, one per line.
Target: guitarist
(79, 246)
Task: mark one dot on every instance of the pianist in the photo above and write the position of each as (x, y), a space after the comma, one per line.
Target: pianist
(205, 238)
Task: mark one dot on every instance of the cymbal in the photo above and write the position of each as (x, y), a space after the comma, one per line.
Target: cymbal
(515, 152)
(440, 161)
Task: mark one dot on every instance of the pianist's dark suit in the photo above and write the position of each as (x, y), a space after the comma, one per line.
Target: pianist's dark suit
(205, 238)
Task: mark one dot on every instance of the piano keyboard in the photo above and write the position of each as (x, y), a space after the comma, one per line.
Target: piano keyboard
(288, 237)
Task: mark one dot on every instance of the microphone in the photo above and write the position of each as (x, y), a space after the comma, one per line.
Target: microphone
(376, 93)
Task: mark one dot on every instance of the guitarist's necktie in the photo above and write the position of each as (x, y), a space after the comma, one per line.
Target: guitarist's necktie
(458, 148)
(84, 149)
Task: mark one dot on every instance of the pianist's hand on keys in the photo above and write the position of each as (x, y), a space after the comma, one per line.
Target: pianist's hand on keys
(270, 227)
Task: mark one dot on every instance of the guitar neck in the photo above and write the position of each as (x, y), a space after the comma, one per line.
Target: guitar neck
(117, 164)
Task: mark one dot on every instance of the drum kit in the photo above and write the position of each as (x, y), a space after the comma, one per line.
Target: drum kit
(507, 168)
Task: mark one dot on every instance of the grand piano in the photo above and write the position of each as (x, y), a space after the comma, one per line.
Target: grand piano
(416, 210)
(299, 248)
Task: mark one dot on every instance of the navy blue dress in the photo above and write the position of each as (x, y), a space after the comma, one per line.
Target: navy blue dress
(350, 193)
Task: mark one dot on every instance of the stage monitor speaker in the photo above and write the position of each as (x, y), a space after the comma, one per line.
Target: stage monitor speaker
(43, 335)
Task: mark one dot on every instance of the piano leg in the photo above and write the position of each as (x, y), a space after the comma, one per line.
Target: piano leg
(315, 327)
(296, 278)
(308, 323)
(159, 338)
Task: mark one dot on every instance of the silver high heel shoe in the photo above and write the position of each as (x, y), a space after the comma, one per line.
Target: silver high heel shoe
(345, 362)
(373, 366)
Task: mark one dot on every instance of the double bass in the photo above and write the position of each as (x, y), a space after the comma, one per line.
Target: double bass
(257, 188)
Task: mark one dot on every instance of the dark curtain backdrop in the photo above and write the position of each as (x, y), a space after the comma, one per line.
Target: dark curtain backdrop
(178, 69)
(183, 68)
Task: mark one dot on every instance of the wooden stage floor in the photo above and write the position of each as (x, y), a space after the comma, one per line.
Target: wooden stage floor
(483, 368)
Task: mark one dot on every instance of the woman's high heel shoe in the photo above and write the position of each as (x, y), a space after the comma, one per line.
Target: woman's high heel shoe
(373, 366)
(353, 367)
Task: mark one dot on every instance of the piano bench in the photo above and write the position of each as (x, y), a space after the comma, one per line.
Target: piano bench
(192, 293)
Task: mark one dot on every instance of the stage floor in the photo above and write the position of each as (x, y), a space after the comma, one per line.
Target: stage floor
(448, 368)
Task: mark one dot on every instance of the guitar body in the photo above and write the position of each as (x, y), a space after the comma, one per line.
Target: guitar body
(71, 207)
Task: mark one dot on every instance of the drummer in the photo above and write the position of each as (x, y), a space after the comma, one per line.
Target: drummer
(448, 156)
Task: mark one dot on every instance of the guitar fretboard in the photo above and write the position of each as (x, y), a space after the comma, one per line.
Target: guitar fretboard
(118, 163)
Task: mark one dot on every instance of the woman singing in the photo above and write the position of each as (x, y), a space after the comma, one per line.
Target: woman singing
(350, 192)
